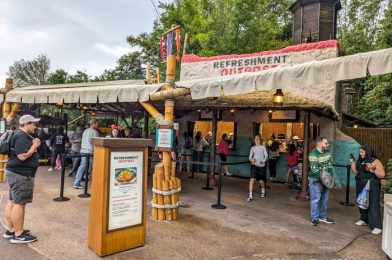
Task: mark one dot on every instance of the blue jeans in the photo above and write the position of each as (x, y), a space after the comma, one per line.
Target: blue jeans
(82, 168)
(319, 196)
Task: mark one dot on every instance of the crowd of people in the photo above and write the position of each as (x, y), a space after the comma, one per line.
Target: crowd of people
(24, 156)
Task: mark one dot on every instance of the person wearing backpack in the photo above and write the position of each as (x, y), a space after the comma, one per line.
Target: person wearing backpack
(20, 171)
(319, 159)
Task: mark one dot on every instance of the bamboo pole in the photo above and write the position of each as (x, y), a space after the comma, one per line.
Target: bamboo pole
(172, 186)
(160, 178)
(2, 167)
(12, 114)
(167, 199)
(152, 110)
(185, 44)
(148, 75)
(171, 93)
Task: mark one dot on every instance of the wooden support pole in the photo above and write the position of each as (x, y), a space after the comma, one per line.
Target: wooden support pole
(148, 71)
(303, 193)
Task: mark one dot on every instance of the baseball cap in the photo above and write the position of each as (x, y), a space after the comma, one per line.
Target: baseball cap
(28, 119)
(295, 137)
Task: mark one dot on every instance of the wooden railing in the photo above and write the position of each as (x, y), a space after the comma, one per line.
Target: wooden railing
(379, 139)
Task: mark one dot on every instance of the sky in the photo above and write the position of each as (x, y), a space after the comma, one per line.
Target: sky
(87, 35)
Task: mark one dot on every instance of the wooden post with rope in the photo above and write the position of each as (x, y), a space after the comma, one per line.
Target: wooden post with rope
(166, 186)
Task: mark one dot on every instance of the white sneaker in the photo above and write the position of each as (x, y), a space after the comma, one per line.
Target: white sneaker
(361, 223)
(229, 174)
(50, 169)
(377, 231)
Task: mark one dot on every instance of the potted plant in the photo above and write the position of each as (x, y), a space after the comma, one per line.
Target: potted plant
(387, 183)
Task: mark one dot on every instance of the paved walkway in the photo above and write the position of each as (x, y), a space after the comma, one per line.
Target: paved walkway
(276, 227)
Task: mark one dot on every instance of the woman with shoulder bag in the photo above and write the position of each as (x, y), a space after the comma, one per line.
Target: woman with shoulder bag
(368, 168)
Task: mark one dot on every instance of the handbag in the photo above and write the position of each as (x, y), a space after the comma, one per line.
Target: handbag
(326, 179)
(363, 197)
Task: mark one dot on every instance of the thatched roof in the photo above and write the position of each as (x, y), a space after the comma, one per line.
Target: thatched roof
(259, 100)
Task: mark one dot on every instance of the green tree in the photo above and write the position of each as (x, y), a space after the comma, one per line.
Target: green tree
(60, 76)
(366, 26)
(30, 72)
(220, 27)
(80, 76)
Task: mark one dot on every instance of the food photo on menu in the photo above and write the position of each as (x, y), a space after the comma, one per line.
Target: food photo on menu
(125, 176)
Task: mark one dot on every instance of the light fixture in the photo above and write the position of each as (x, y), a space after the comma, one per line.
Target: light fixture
(85, 108)
(278, 98)
(59, 105)
(270, 111)
(93, 113)
(199, 110)
(232, 111)
(355, 126)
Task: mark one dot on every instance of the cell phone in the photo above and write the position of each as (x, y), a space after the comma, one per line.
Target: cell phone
(352, 156)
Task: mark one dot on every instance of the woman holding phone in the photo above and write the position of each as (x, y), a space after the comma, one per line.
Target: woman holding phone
(368, 168)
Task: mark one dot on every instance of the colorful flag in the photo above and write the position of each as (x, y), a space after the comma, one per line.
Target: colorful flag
(169, 43)
(178, 43)
(162, 43)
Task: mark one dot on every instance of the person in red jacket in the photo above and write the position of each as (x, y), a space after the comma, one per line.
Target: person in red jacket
(223, 150)
(292, 158)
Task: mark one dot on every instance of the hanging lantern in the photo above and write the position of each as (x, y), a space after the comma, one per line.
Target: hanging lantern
(59, 105)
(278, 98)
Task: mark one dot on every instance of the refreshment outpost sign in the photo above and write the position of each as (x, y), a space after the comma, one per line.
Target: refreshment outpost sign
(194, 67)
(250, 64)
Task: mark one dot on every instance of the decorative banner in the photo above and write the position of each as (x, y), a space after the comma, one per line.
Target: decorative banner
(194, 67)
(126, 189)
(169, 43)
(178, 43)
(162, 49)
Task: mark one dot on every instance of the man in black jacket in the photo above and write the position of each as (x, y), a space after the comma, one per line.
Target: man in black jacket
(21, 168)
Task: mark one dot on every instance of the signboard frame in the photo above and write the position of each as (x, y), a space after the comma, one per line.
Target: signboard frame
(141, 178)
(157, 134)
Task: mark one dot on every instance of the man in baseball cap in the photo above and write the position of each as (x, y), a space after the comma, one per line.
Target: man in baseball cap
(28, 119)
(21, 168)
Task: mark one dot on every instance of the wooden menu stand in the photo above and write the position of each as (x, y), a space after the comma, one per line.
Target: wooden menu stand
(117, 217)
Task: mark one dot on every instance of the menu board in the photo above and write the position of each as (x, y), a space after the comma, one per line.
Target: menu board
(126, 189)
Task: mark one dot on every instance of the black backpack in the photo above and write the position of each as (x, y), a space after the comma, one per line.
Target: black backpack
(5, 142)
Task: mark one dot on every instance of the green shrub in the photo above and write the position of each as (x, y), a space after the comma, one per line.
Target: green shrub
(387, 185)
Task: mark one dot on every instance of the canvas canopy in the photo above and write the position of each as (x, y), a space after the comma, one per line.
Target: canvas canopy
(290, 77)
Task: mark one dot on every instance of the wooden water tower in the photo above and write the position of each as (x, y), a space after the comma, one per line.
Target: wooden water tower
(314, 20)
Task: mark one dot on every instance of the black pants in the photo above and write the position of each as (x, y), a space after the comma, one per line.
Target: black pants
(56, 152)
(372, 215)
(272, 167)
(197, 157)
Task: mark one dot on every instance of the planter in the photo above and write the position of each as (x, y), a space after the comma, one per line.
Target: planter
(387, 197)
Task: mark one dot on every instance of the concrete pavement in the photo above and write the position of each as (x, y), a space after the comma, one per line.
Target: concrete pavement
(276, 227)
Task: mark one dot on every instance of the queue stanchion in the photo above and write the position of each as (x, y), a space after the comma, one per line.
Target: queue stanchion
(207, 187)
(85, 194)
(62, 198)
(219, 205)
(347, 202)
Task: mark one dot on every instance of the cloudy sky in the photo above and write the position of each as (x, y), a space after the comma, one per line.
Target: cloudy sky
(75, 34)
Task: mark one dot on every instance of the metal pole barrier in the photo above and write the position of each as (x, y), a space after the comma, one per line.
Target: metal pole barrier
(62, 198)
(219, 205)
(86, 194)
(347, 202)
(207, 187)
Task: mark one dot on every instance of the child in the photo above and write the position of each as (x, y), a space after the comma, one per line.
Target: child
(257, 156)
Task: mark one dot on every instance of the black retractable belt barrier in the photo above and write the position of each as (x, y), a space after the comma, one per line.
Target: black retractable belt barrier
(62, 198)
(347, 202)
(218, 205)
(86, 175)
